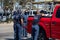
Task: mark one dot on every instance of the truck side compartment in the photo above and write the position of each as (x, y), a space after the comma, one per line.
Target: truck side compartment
(45, 23)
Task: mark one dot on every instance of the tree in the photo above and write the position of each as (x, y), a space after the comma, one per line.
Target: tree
(6, 2)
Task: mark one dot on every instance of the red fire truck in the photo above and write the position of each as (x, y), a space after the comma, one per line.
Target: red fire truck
(49, 26)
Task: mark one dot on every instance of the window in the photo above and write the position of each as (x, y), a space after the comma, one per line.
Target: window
(58, 13)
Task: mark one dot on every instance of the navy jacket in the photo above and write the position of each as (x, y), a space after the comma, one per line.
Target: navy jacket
(17, 17)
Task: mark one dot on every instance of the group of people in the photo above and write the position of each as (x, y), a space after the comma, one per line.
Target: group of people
(20, 23)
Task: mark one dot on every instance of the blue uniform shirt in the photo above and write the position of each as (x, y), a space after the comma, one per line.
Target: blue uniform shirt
(16, 17)
(36, 19)
(25, 15)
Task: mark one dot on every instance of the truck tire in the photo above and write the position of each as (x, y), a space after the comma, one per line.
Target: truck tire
(42, 35)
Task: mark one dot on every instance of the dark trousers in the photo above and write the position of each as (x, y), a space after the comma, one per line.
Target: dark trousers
(17, 31)
(35, 32)
(24, 30)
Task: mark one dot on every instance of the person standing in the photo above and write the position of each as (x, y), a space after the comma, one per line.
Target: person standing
(18, 22)
(25, 16)
(35, 27)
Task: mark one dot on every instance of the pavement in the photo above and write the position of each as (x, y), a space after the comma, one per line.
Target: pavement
(6, 31)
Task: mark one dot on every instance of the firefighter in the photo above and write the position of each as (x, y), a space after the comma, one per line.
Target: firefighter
(18, 22)
(25, 16)
(43, 13)
(35, 27)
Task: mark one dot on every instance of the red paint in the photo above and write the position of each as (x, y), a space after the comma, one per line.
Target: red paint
(29, 24)
(47, 24)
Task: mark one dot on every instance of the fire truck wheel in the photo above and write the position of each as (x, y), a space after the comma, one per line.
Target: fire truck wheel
(42, 35)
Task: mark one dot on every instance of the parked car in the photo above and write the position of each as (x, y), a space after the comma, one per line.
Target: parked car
(0, 16)
(4, 18)
(49, 26)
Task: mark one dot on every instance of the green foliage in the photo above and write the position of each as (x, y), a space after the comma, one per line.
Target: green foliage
(6, 2)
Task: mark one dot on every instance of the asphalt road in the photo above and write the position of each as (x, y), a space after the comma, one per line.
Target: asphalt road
(6, 31)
